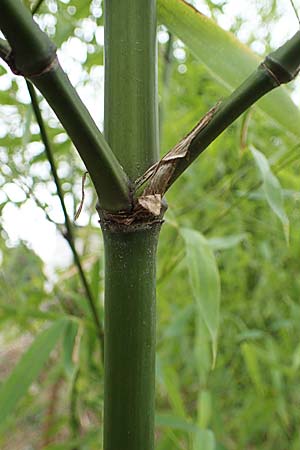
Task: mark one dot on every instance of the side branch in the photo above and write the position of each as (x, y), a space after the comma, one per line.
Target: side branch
(278, 68)
(33, 56)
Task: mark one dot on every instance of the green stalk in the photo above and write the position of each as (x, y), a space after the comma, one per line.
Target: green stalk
(129, 355)
(33, 56)
(131, 122)
(131, 128)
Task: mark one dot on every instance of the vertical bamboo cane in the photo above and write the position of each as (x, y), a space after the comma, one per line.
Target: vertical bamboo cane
(130, 251)
(130, 340)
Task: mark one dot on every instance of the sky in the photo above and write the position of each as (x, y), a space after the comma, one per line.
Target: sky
(28, 222)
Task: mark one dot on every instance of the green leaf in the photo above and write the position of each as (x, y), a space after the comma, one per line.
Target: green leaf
(296, 358)
(28, 369)
(204, 440)
(229, 61)
(250, 356)
(204, 280)
(272, 190)
(204, 408)
(172, 385)
(174, 422)
(202, 352)
(226, 242)
(68, 345)
(177, 326)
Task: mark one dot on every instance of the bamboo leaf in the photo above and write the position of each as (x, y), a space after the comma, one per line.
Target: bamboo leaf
(296, 358)
(204, 281)
(172, 385)
(178, 324)
(272, 189)
(69, 339)
(204, 408)
(204, 440)
(28, 369)
(250, 356)
(202, 350)
(174, 422)
(229, 61)
(226, 242)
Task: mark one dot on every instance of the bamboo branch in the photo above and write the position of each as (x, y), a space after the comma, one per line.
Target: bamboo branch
(69, 236)
(278, 68)
(33, 56)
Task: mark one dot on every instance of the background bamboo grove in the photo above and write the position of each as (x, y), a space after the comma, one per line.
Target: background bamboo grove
(225, 327)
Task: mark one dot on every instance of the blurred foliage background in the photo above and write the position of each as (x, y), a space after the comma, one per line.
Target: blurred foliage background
(251, 399)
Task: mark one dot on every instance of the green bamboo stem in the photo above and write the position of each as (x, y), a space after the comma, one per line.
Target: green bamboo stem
(131, 121)
(131, 128)
(129, 381)
(279, 67)
(33, 56)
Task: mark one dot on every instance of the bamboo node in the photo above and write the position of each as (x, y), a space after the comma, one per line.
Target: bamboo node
(53, 65)
(271, 73)
(50, 65)
(148, 211)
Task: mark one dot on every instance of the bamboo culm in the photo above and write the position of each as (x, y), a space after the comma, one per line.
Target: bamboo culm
(130, 260)
(131, 129)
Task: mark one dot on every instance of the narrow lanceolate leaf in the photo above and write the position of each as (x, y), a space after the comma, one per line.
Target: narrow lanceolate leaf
(172, 385)
(226, 242)
(28, 368)
(202, 350)
(204, 408)
(68, 344)
(228, 61)
(175, 423)
(204, 440)
(250, 356)
(204, 280)
(272, 189)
